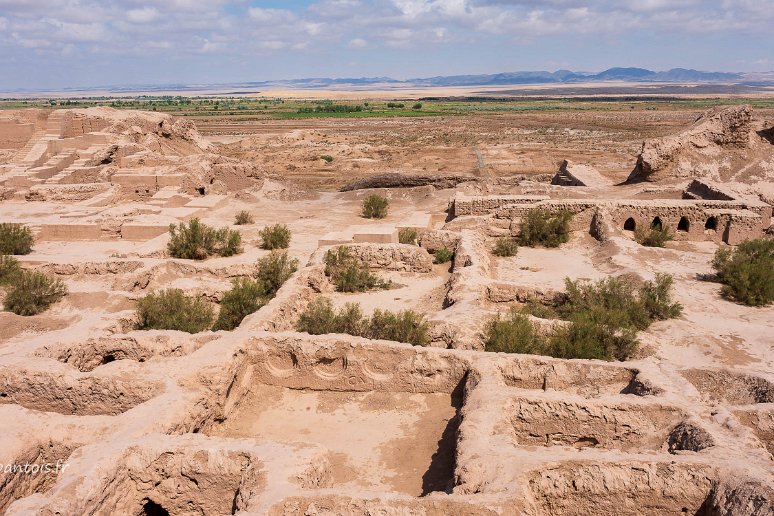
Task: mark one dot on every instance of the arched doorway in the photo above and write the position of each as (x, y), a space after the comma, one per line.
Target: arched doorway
(656, 224)
(711, 224)
(683, 225)
(630, 225)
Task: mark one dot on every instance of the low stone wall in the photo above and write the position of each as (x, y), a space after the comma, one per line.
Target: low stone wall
(70, 232)
(716, 220)
(393, 257)
(483, 205)
(439, 239)
(701, 189)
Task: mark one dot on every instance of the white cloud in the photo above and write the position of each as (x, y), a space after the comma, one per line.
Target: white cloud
(144, 15)
(238, 29)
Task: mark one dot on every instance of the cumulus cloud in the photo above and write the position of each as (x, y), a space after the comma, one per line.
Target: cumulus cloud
(244, 30)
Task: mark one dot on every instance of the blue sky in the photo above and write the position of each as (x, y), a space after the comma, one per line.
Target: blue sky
(77, 43)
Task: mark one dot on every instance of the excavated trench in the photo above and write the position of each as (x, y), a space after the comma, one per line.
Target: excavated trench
(718, 386)
(35, 470)
(761, 422)
(633, 488)
(71, 395)
(387, 415)
(174, 480)
(140, 347)
(583, 379)
(624, 426)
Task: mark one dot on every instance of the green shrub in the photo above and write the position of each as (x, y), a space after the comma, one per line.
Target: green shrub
(326, 158)
(654, 237)
(656, 298)
(32, 292)
(274, 270)
(320, 317)
(505, 246)
(348, 274)
(407, 236)
(375, 207)
(612, 301)
(197, 241)
(9, 267)
(604, 319)
(539, 310)
(275, 237)
(243, 217)
(418, 105)
(512, 334)
(747, 273)
(172, 310)
(540, 227)
(589, 339)
(443, 255)
(245, 297)
(15, 239)
(405, 326)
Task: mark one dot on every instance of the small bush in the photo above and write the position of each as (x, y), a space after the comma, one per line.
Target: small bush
(747, 273)
(15, 239)
(656, 298)
(245, 297)
(505, 246)
(589, 339)
(375, 207)
(326, 158)
(243, 217)
(172, 310)
(321, 318)
(197, 241)
(31, 292)
(347, 274)
(418, 105)
(274, 270)
(542, 228)
(653, 237)
(405, 326)
(612, 301)
(9, 268)
(604, 319)
(443, 255)
(539, 310)
(407, 236)
(275, 237)
(512, 334)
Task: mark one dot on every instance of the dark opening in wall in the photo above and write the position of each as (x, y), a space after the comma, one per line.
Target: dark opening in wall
(683, 225)
(630, 225)
(656, 224)
(712, 223)
(200, 190)
(151, 508)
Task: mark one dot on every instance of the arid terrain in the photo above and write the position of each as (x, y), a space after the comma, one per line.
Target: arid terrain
(267, 419)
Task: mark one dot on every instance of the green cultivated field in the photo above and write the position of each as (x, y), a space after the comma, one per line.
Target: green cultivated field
(262, 108)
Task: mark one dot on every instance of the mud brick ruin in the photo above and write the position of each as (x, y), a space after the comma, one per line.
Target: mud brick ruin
(266, 420)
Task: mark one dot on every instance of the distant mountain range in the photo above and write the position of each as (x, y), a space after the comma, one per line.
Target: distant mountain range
(559, 77)
(537, 77)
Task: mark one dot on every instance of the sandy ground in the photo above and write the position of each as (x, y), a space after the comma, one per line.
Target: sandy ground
(266, 420)
(377, 441)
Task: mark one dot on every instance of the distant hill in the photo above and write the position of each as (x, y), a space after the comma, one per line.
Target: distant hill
(563, 77)
(528, 77)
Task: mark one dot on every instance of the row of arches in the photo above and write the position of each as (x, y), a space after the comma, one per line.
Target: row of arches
(684, 225)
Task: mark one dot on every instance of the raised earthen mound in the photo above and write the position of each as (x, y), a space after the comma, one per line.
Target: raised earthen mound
(724, 145)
